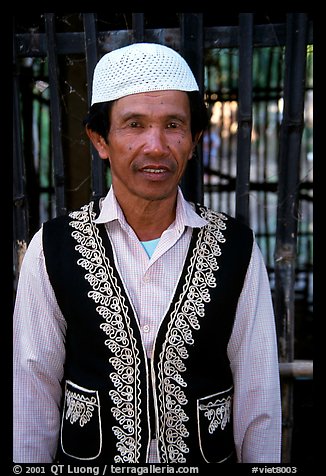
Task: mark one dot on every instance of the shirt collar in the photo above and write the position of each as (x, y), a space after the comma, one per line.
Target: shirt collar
(109, 209)
(185, 213)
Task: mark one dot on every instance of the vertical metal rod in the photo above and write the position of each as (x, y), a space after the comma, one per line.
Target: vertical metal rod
(192, 49)
(266, 163)
(91, 51)
(138, 27)
(56, 128)
(20, 214)
(244, 116)
(229, 154)
(287, 211)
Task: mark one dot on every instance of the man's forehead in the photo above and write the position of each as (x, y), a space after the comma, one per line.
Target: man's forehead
(174, 102)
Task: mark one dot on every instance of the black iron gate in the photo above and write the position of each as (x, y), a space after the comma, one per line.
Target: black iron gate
(44, 172)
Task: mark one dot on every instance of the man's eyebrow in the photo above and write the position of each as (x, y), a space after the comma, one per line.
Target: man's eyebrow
(178, 117)
(132, 115)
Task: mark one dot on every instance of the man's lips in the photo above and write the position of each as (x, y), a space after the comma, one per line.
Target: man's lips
(156, 167)
(155, 173)
(153, 170)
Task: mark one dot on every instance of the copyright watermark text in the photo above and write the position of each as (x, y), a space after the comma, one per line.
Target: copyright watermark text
(58, 469)
(67, 469)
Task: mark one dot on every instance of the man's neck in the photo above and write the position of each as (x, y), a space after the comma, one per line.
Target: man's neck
(149, 219)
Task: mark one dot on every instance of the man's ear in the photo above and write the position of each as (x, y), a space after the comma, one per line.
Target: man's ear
(98, 142)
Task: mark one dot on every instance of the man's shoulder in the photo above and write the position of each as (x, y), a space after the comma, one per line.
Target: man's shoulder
(212, 215)
(86, 208)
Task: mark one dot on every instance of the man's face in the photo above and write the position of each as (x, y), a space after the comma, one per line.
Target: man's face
(149, 144)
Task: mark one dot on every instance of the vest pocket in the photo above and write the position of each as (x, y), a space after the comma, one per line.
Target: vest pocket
(215, 432)
(81, 432)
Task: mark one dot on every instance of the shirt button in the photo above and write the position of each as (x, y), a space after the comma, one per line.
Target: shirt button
(146, 328)
(146, 278)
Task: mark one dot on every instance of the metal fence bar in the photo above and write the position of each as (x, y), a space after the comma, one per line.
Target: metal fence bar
(138, 27)
(34, 43)
(191, 47)
(244, 116)
(91, 53)
(58, 162)
(287, 211)
(20, 213)
(297, 369)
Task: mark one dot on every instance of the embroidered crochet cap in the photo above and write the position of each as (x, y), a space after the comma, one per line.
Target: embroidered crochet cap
(138, 68)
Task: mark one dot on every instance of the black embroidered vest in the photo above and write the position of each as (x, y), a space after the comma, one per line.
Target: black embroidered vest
(106, 389)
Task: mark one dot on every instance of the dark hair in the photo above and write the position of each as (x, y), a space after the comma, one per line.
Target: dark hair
(98, 117)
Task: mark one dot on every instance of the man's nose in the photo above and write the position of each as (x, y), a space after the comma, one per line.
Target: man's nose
(156, 143)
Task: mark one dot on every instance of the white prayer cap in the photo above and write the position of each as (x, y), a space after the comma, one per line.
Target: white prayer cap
(139, 68)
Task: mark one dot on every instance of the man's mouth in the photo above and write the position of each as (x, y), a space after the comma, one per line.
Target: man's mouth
(154, 171)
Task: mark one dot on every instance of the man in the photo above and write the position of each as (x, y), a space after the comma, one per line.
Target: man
(144, 327)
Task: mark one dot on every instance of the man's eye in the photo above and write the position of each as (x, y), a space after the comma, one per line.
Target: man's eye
(172, 125)
(134, 124)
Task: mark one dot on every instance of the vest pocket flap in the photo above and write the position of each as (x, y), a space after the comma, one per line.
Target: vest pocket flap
(81, 434)
(214, 418)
